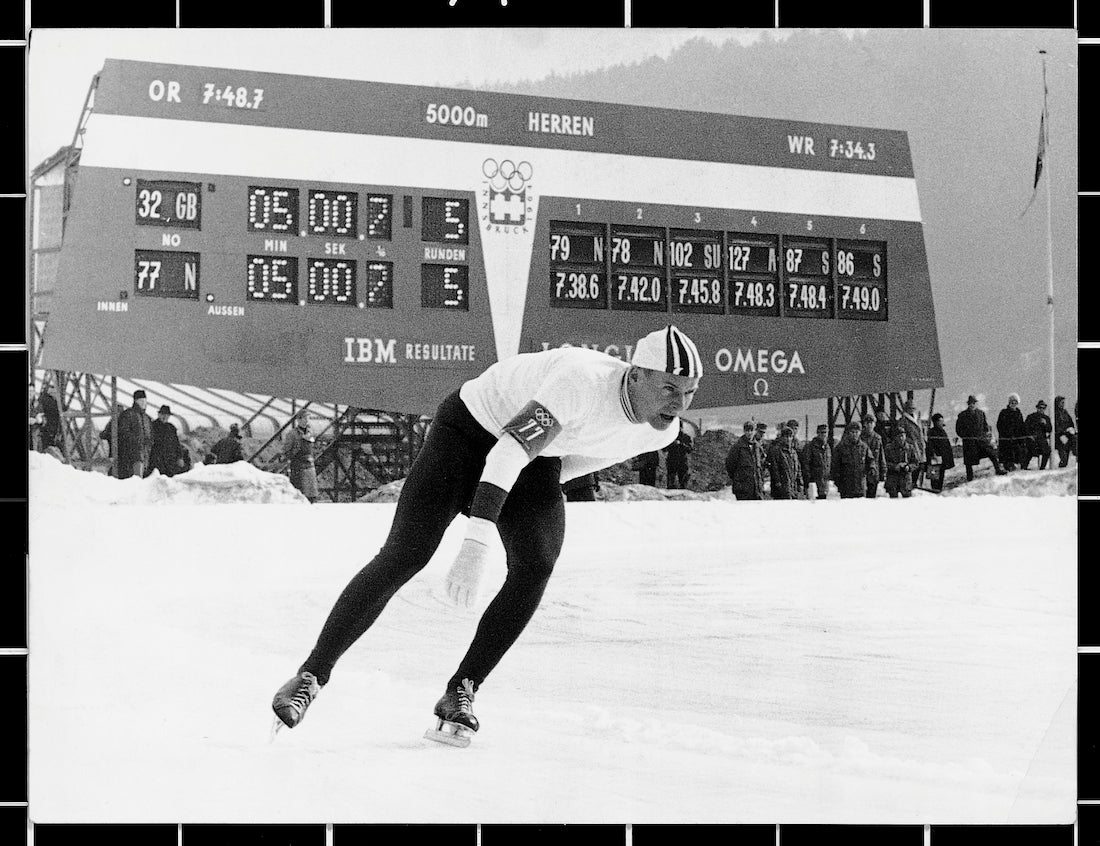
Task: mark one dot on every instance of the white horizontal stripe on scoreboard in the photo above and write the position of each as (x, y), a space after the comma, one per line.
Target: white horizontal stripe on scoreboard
(137, 143)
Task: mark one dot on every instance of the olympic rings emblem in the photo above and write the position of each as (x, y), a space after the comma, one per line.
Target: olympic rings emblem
(544, 418)
(506, 174)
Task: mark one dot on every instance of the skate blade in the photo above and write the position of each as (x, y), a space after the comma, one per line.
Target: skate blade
(277, 726)
(451, 734)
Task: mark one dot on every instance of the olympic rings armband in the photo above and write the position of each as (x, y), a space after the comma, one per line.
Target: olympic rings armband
(533, 428)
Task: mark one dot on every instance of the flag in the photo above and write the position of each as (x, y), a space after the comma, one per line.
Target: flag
(1042, 147)
(1041, 154)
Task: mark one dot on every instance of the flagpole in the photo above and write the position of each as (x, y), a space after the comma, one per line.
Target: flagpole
(1050, 249)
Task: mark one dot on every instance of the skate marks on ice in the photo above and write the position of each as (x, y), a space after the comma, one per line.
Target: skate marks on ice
(690, 663)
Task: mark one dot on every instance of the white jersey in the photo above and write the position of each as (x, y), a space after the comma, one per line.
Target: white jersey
(582, 389)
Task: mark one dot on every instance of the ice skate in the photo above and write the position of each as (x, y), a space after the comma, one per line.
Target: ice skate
(456, 721)
(292, 699)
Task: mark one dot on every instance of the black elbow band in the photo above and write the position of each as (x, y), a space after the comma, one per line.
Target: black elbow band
(488, 501)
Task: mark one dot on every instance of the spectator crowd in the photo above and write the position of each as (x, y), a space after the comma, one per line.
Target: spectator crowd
(899, 454)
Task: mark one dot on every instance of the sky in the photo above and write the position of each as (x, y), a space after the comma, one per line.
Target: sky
(692, 661)
(972, 117)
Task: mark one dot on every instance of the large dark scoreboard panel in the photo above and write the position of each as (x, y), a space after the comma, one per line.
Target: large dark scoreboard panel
(377, 244)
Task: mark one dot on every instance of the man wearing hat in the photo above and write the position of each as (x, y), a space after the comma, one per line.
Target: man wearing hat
(1038, 429)
(876, 445)
(298, 448)
(940, 452)
(1065, 431)
(817, 461)
(1011, 434)
(135, 438)
(972, 427)
(498, 450)
(851, 463)
(914, 435)
(229, 450)
(743, 465)
(784, 467)
(166, 452)
(763, 443)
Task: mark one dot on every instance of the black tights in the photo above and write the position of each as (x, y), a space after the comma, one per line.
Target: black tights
(439, 486)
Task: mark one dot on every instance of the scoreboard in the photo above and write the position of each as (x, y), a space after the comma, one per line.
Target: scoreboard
(378, 244)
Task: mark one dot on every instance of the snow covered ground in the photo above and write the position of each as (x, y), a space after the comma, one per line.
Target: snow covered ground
(902, 661)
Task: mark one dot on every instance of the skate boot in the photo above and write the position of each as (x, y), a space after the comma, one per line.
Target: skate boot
(455, 713)
(292, 699)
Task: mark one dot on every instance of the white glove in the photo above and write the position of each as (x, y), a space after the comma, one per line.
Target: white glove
(465, 574)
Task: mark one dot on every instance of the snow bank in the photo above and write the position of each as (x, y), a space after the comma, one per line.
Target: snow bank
(1021, 483)
(55, 484)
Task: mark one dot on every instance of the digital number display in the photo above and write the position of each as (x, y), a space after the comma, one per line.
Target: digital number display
(847, 148)
(578, 277)
(380, 216)
(806, 258)
(638, 292)
(272, 279)
(698, 293)
(166, 273)
(272, 209)
(445, 220)
(330, 281)
(861, 301)
(577, 288)
(751, 254)
(236, 97)
(861, 260)
(333, 213)
(861, 280)
(579, 243)
(695, 251)
(752, 262)
(637, 247)
(807, 298)
(379, 292)
(163, 202)
(445, 286)
(754, 296)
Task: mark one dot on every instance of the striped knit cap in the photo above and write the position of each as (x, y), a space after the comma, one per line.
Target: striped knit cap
(669, 350)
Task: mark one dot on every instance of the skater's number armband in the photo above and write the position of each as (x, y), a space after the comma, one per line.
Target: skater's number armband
(533, 428)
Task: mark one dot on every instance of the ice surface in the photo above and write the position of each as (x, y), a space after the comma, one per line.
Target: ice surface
(902, 661)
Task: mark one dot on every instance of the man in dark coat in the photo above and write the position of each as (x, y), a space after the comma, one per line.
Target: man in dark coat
(784, 467)
(1065, 432)
(165, 454)
(135, 437)
(796, 444)
(878, 462)
(1038, 429)
(50, 429)
(1011, 434)
(298, 447)
(581, 489)
(228, 449)
(939, 452)
(851, 463)
(901, 459)
(743, 466)
(972, 427)
(883, 427)
(648, 462)
(914, 434)
(676, 460)
(817, 462)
